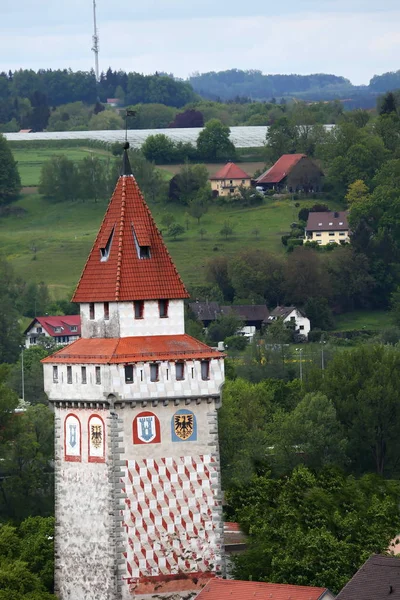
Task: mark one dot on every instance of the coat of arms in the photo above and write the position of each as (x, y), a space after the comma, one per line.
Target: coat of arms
(96, 435)
(184, 425)
(72, 436)
(146, 429)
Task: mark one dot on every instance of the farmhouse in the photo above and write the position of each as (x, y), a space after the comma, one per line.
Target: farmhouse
(292, 173)
(63, 330)
(292, 315)
(228, 180)
(327, 228)
(253, 316)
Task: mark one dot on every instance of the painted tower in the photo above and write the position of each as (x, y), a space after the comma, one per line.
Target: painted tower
(138, 506)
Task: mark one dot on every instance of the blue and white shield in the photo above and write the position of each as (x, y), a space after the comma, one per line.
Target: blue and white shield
(146, 428)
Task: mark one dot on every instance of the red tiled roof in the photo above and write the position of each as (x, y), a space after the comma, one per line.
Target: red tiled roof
(281, 168)
(124, 276)
(228, 589)
(49, 324)
(230, 171)
(133, 349)
(327, 221)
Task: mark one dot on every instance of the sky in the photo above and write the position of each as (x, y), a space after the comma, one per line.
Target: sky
(353, 38)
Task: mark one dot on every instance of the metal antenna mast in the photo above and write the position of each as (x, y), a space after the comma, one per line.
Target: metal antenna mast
(95, 43)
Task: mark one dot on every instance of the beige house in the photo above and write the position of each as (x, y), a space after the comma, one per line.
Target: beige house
(327, 228)
(229, 179)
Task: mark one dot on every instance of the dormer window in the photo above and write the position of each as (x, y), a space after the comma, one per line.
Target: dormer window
(330, 223)
(144, 251)
(74, 328)
(58, 329)
(105, 250)
(320, 224)
(142, 245)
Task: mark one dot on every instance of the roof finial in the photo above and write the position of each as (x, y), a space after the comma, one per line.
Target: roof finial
(126, 168)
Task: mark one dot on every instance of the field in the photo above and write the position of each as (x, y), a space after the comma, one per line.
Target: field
(50, 241)
(30, 161)
(363, 319)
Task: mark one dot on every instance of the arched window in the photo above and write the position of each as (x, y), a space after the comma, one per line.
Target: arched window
(72, 439)
(96, 439)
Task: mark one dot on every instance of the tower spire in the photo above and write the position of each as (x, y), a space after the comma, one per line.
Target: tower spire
(126, 168)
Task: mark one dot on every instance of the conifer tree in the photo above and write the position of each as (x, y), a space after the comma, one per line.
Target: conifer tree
(10, 182)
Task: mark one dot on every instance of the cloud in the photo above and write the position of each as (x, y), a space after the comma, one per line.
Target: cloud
(350, 43)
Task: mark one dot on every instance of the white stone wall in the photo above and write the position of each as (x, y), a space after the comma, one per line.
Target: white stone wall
(300, 321)
(113, 382)
(84, 537)
(122, 322)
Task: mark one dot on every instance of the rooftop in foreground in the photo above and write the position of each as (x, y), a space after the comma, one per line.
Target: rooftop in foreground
(133, 349)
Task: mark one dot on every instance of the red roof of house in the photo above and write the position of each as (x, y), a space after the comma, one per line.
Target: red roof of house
(230, 171)
(133, 349)
(281, 168)
(121, 275)
(228, 589)
(64, 323)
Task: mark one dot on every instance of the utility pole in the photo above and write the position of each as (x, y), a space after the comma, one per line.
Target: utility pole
(95, 43)
(22, 374)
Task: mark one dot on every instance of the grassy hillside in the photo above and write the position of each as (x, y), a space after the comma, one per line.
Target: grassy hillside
(30, 161)
(50, 241)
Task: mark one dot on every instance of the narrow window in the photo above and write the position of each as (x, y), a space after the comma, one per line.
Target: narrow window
(128, 373)
(105, 252)
(138, 307)
(205, 369)
(55, 374)
(83, 374)
(106, 311)
(163, 308)
(180, 371)
(69, 374)
(91, 311)
(154, 370)
(98, 376)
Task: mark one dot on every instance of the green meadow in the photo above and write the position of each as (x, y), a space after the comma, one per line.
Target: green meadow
(50, 242)
(30, 162)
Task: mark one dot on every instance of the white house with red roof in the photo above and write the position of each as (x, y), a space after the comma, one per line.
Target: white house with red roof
(138, 499)
(292, 173)
(63, 330)
(228, 589)
(227, 181)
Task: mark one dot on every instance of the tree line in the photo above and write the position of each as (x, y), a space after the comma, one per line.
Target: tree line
(236, 83)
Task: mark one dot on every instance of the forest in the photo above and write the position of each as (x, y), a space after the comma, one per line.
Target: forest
(63, 100)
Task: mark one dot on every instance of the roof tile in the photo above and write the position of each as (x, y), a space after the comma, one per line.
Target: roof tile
(281, 168)
(230, 171)
(123, 276)
(225, 589)
(133, 349)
